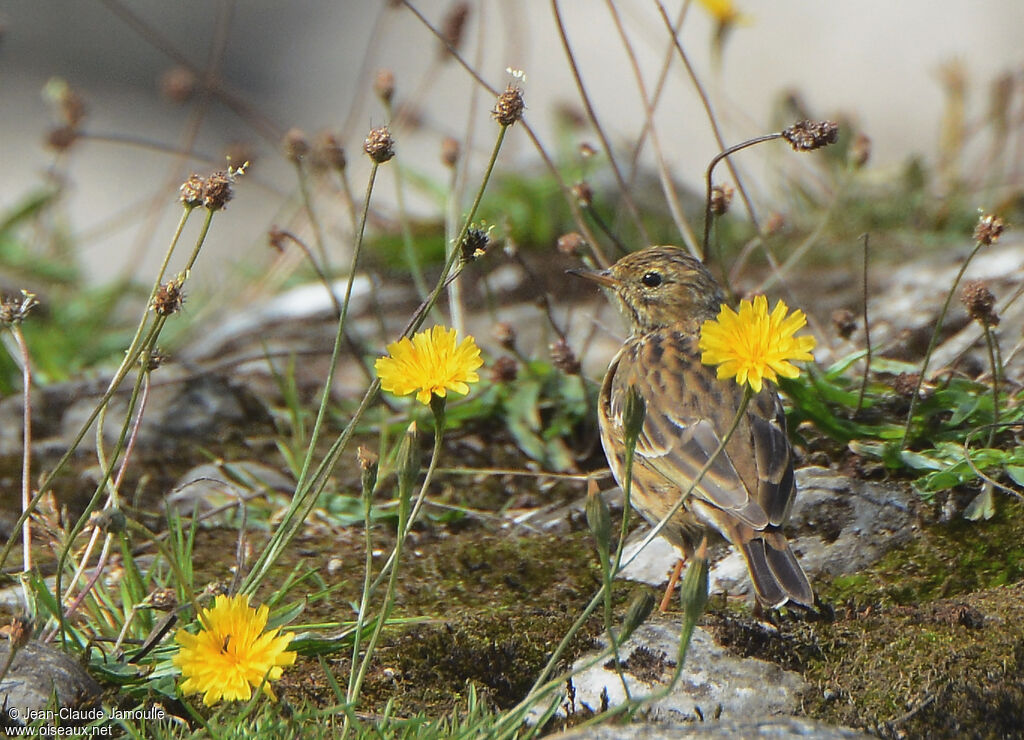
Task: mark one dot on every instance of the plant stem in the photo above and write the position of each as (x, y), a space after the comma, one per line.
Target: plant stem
(932, 342)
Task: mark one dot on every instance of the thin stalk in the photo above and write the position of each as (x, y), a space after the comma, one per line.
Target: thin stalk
(667, 186)
(724, 154)
(991, 345)
(932, 342)
(45, 483)
(867, 332)
(406, 519)
(132, 356)
(307, 202)
(112, 500)
(26, 454)
(305, 489)
(706, 102)
(555, 172)
(408, 244)
(627, 199)
(342, 318)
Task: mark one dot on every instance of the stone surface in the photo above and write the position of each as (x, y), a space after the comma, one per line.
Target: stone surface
(776, 728)
(838, 525)
(208, 487)
(38, 672)
(713, 682)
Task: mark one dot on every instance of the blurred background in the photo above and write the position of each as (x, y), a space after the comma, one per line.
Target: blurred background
(888, 68)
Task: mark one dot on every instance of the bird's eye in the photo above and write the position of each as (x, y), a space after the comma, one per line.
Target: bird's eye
(651, 279)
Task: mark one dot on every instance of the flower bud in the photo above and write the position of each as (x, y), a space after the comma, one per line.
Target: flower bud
(633, 416)
(639, 609)
(599, 518)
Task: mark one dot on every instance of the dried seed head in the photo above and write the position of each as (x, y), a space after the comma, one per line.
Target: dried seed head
(806, 136)
(110, 520)
(191, 191)
(845, 322)
(570, 114)
(509, 107)
(584, 193)
(384, 85)
(328, 152)
(368, 465)
(504, 370)
(153, 359)
(169, 298)
(19, 632)
(860, 151)
(564, 358)
(162, 599)
(721, 198)
(69, 105)
(980, 303)
(775, 223)
(505, 335)
(295, 145)
(476, 242)
(276, 238)
(72, 107)
(379, 145)
(989, 229)
(217, 190)
(178, 84)
(61, 138)
(367, 458)
(905, 384)
(572, 244)
(450, 151)
(215, 588)
(14, 311)
(453, 28)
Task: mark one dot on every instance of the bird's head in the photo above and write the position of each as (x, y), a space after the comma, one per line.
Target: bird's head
(659, 286)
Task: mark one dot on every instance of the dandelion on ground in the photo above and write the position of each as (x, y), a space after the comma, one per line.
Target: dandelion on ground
(429, 364)
(232, 654)
(754, 344)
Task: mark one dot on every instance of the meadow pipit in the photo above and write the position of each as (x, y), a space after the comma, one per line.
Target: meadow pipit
(747, 491)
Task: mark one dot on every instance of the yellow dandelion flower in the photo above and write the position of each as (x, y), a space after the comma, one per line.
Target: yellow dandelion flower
(753, 344)
(431, 363)
(724, 11)
(231, 654)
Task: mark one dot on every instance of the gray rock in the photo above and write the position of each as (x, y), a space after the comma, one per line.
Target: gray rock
(38, 672)
(713, 683)
(209, 487)
(838, 525)
(779, 728)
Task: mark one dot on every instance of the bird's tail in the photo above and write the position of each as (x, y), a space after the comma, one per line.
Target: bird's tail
(774, 570)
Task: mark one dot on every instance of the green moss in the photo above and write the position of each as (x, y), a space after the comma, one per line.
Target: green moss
(929, 642)
(497, 605)
(945, 560)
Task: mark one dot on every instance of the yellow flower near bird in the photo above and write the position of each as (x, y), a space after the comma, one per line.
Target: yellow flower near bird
(232, 654)
(754, 344)
(429, 364)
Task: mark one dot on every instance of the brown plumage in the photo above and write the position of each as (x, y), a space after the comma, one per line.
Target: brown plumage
(746, 494)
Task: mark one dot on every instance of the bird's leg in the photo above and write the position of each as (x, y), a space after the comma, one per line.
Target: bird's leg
(672, 581)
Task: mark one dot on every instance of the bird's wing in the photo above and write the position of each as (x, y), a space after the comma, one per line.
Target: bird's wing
(773, 456)
(688, 411)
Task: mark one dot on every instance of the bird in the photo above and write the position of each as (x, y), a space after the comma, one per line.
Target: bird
(746, 494)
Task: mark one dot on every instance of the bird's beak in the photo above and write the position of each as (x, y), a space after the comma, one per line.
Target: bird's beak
(601, 277)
